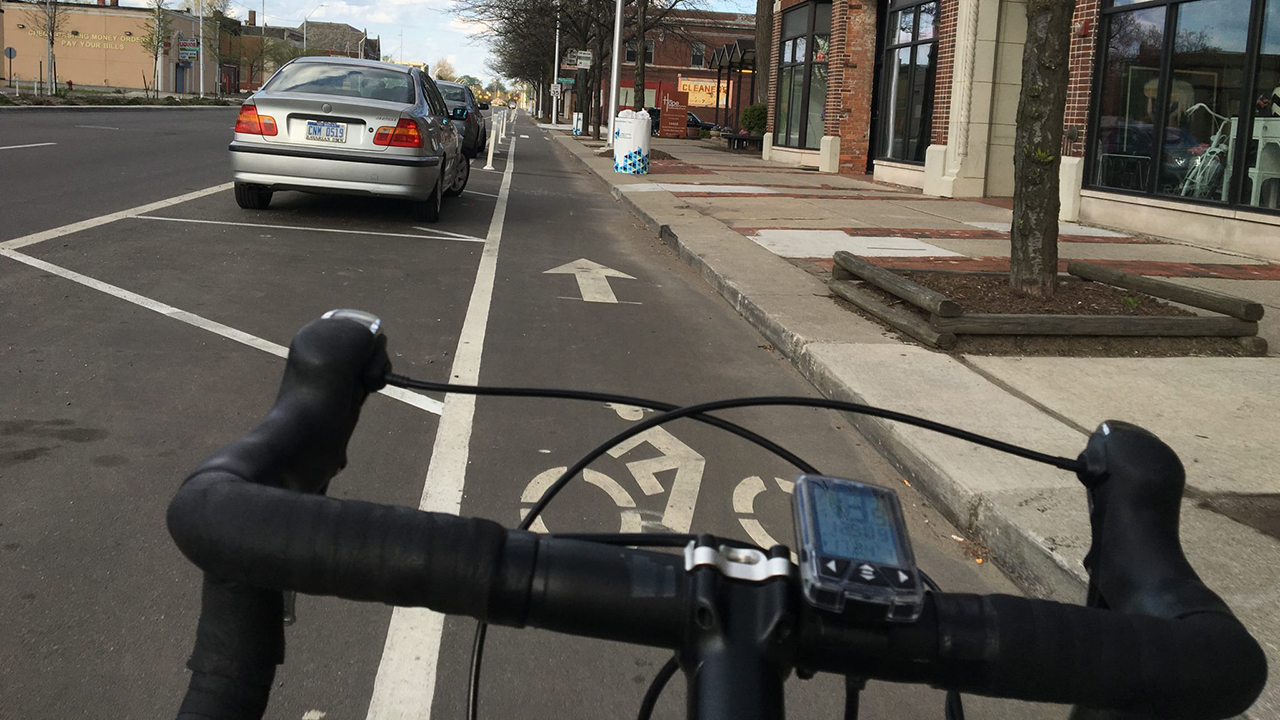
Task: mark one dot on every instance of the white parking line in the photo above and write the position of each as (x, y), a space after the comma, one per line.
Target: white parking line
(98, 127)
(447, 233)
(421, 402)
(406, 680)
(108, 218)
(475, 192)
(31, 145)
(439, 234)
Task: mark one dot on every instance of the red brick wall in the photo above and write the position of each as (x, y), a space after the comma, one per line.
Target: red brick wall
(946, 50)
(851, 76)
(1084, 29)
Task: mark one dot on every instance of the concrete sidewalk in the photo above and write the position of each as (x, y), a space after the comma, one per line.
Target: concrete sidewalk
(751, 229)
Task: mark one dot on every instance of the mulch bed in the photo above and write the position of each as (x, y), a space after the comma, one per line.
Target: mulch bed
(991, 293)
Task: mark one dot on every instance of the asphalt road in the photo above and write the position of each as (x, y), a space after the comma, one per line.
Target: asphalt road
(117, 377)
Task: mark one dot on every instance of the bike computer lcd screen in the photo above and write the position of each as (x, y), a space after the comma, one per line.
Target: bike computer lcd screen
(856, 522)
(854, 549)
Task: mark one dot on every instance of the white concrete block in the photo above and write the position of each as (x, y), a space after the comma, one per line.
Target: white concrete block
(935, 168)
(829, 154)
(1070, 178)
(766, 150)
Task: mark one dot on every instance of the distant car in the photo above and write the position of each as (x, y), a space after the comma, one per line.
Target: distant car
(464, 109)
(348, 126)
(692, 121)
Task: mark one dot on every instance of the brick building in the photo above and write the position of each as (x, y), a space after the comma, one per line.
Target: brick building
(1173, 110)
(678, 56)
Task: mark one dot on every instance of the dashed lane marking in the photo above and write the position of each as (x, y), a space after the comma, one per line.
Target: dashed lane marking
(29, 145)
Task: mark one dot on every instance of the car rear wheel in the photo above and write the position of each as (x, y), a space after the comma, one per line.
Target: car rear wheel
(429, 209)
(252, 197)
(460, 178)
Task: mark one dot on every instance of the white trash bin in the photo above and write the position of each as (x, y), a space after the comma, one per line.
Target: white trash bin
(631, 143)
(577, 123)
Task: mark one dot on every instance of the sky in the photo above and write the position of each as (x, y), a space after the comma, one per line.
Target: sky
(430, 31)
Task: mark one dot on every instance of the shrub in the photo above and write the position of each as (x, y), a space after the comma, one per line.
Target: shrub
(755, 118)
(704, 133)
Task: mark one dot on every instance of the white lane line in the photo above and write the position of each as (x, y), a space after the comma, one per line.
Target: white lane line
(421, 402)
(460, 236)
(98, 127)
(440, 235)
(109, 218)
(31, 145)
(406, 680)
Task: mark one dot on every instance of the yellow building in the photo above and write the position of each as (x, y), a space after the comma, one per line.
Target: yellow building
(100, 46)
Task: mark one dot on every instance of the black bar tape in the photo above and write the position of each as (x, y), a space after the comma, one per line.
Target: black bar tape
(1204, 665)
(284, 540)
(239, 642)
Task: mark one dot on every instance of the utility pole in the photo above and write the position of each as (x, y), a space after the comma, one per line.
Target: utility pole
(613, 75)
(555, 75)
(200, 48)
(51, 26)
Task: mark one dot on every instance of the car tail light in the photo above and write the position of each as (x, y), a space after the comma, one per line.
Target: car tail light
(404, 134)
(250, 122)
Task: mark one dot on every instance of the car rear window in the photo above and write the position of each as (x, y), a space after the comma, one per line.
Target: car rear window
(452, 93)
(344, 81)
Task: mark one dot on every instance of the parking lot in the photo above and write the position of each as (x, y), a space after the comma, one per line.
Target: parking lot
(144, 318)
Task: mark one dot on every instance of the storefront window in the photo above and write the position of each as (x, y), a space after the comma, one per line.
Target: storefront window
(1171, 101)
(1262, 156)
(910, 65)
(802, 76)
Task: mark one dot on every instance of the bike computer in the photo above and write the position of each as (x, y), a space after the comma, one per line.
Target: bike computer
(854, 549)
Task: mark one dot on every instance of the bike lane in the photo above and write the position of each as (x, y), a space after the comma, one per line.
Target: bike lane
(585, 297)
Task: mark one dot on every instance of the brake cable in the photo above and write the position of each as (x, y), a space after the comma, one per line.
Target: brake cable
(953, 709)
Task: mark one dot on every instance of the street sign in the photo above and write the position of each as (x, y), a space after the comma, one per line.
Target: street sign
(555, 90)
(566, 80)
(188, 48)
(10, 53)
(584, 59)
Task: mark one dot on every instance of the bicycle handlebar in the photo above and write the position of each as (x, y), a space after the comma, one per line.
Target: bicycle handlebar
(1169, 646)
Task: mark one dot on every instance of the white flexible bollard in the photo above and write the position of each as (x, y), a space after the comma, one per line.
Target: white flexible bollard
(492, 141)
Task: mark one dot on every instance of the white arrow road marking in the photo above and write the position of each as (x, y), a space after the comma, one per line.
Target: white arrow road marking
(593, 279)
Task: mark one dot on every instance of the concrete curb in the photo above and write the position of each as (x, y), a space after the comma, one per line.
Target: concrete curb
(111, 108)
(1036, 567)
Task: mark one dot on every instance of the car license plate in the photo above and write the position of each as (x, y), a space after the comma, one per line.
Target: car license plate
(326, 131)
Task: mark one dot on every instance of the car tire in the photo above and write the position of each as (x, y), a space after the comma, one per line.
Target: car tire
(460, 178)
(429, 210)
(252, 197)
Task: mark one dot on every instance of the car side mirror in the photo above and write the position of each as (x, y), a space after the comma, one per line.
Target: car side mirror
(458, 113)
(484, 106)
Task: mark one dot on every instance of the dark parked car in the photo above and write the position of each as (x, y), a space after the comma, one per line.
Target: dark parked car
(464, 109)
(693, 121)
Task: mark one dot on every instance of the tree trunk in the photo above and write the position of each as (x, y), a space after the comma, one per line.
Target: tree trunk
(642, 8)
(1033, 256)
(764, 44)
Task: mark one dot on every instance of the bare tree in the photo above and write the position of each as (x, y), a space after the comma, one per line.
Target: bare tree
(216, 26)
(159, 29)
(444, 70)
(48, 18)
(1033, 256)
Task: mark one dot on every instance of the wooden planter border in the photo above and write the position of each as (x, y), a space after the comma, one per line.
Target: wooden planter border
(947, 318)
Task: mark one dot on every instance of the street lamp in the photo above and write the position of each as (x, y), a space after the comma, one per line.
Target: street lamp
(304, 26)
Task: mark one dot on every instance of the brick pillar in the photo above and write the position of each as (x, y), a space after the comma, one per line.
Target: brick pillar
(772, 71)
(851, 76)
(946, 51)
(1084, 30)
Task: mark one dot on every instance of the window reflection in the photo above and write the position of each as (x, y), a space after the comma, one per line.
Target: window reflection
(1262, 157)
(1127, 103)
(907, 106)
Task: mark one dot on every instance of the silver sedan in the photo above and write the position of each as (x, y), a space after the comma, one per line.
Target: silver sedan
(347, 126)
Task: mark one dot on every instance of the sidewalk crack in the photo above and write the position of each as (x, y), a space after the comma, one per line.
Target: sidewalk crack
(1024, 397)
